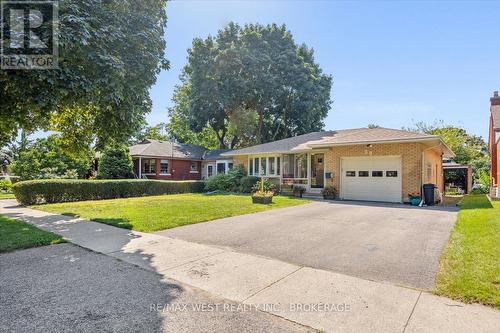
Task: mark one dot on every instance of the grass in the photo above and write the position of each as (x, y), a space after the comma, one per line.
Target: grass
(166, 211)
(470, 266)
(15, 234)
(4, 195)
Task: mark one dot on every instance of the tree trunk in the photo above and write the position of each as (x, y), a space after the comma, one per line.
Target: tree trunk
(234, 141)
(220, 137)
(261, 125)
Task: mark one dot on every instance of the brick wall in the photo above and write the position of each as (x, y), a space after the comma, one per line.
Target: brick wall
(436, 161)
(411, 155)
(179, 170)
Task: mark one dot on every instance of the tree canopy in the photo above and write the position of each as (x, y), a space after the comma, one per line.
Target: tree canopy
(49, 158)
(247, 85)
(110, 53)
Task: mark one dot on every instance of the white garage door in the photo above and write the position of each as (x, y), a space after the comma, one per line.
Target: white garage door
(371, 178)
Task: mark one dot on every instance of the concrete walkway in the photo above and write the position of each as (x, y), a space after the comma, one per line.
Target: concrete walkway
(323, 300)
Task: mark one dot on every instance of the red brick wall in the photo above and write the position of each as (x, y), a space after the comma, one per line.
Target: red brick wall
(179, 170)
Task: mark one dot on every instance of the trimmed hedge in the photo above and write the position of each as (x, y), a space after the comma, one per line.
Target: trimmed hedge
(66, 190)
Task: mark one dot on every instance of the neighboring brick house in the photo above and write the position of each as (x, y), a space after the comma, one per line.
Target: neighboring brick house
(494, 143)
(376, 164)
(154, 159)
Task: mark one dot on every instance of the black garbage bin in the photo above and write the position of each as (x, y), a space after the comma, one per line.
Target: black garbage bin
(429, 194)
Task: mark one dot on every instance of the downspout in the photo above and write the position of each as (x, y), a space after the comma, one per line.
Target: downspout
(423, 172)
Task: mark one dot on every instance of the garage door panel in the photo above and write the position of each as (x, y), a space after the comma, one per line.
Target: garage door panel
(372, 188)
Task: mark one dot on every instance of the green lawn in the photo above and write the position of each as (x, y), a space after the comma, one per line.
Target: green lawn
(15, 234)
(470, 266)
(166, 211)
(6, 196)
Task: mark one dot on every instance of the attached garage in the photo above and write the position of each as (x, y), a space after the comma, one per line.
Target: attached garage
(373, 178)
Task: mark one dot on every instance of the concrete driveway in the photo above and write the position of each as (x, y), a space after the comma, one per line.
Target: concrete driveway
(381, 242)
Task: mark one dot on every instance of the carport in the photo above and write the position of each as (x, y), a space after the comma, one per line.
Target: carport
(457, 177)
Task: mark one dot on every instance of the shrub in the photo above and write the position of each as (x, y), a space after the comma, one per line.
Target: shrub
(480, 190)
(247, 183)
(220, 182)
(66, 190)
(5, 185)
(228, 183)
(115, 163)
(329, 191)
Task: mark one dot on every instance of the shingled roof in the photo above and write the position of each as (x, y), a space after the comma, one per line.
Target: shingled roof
(167, 149)
(334, 138)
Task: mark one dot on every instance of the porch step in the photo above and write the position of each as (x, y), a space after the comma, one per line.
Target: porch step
(312, 195)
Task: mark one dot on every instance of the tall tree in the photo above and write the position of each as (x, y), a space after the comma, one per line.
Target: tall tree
(110, 53)
(253, 85)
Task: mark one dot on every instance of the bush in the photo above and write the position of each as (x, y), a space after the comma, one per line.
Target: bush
(115, 163)
(247, 183)
(66, 190)
(228, 183)
(5, 186)
(235, 174)
(219, 182)
(480, 190)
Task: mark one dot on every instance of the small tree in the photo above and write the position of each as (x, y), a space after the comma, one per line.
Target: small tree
(115, 163)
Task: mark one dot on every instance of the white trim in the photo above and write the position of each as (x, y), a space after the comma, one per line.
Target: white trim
(165, 174)
(194, 172)
(140, 168)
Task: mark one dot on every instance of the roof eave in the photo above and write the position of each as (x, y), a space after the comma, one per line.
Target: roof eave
(353, 143)
(167, 157)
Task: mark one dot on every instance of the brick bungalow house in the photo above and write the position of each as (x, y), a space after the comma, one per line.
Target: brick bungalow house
(377, 164)
(494, 143)
(154, 159)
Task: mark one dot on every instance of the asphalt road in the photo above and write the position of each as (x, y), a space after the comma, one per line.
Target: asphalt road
(399, 244)
(65, 288)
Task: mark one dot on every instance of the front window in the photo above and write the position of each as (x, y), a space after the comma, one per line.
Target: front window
(221, 168)
(250, 164)
(164, 167)
(301, 166)
(263, 165)
(256, 166)
(272, 166)
(288, 166)
(210, 170)
(194, 166)
(229, 166)
(149, 166)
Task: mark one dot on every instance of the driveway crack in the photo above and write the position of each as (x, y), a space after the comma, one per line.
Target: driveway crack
(271, 284)
(411, 313)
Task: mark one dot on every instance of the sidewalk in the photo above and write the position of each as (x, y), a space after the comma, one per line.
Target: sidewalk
(289, 291)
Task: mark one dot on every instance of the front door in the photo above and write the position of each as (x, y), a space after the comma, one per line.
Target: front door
(317, 170)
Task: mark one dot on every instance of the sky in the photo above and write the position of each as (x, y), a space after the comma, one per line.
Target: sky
(393, 63)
